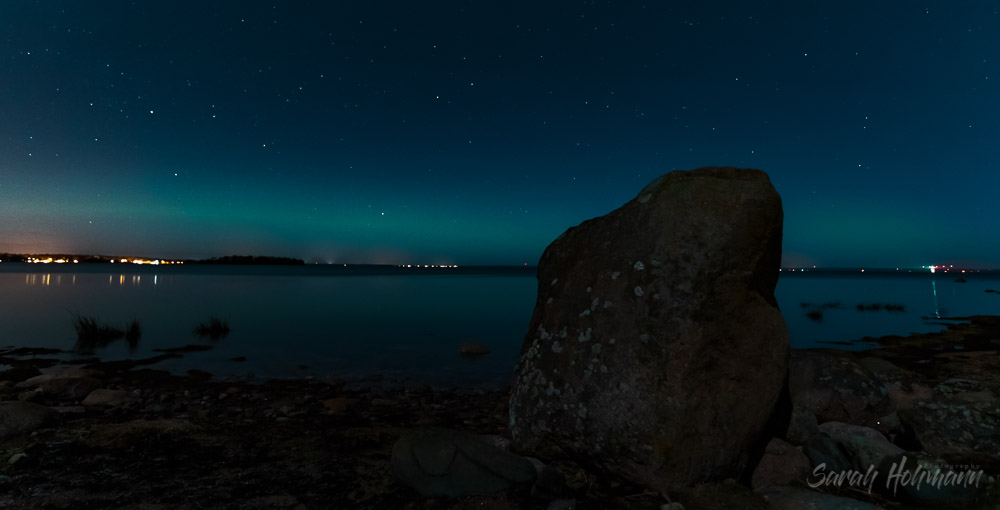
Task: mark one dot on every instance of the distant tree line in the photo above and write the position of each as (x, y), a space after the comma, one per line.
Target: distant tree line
(252, 260)
(103, 259)
(83, 259)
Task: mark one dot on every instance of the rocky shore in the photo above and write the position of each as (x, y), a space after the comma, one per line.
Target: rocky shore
(108, 435)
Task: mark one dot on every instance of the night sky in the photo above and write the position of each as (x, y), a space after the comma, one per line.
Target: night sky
(476, 132)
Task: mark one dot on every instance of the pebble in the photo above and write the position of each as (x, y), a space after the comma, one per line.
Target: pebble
(562, 504)
(27, 396)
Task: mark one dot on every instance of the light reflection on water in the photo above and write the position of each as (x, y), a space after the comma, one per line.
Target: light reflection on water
(398, 325)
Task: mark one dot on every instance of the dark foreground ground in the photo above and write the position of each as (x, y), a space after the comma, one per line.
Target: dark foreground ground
(187, 442)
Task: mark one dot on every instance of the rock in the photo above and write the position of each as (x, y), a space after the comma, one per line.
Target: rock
(782, 463)
(69, 388)
(337, 405)
(827, 452)
(58, 372)
(106, 397)
(801, 427)
(447, 463)
(945, 427)
(834, 387)
(119, 434)
(865, 447)
(17, 457)
(903, 387)
(500, 442)
(28, 396)
(550, 484)
(562, 504)
(470, 349)
(907, 397)
(17, 418)
(69, 409)
(790, 498)
(889, 424)
(18, 374)
(672, 506)
(654, 321)
(418, 388)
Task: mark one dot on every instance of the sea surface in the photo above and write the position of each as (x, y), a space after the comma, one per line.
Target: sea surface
(360, 322)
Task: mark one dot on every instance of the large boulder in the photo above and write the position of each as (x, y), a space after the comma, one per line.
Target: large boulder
(656, 350)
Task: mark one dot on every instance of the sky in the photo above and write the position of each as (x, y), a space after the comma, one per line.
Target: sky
(477, 132)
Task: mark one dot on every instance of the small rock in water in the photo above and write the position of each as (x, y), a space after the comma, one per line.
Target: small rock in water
(473, 349)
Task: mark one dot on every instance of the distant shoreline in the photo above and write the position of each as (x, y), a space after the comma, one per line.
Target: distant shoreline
(7, 265)
(272, 269)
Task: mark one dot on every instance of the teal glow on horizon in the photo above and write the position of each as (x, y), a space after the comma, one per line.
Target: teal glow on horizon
(474, 134)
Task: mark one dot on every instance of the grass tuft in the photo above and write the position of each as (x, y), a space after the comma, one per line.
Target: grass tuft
(133, 332)
(214, 328)
(92, 333)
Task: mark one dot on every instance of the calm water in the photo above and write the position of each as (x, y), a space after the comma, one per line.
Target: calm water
(314, 321)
